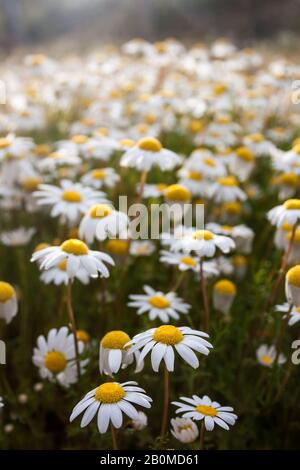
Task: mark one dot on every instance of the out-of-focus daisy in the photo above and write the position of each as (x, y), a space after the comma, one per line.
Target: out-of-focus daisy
(139, 423)
(292, 285)
(203, 243)
(184, 262)
(8, 302)
(70, 201)
(266, 356)
(99, 177)
(17, 237)
(101, 222)
(77, 255)
(194, 182)
(159, 305)
(141, 248)
(287, 183)
(288, 212)
(114, 353)
(59, 158)
(208, 166)
(55, 357)
(15, 147)
(184, 430)
(226, 189)
(148, 152)
(241, 234)
(243, 163)
(163, 340)
(109, 401)
(205, 409)
(224, 292)
(294, 313)
(153, 190)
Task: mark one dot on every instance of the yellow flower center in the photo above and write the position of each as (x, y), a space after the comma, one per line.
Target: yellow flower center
(168, 334)
(117, 246)
(228, 181)
(177, 192)
(233, 207)
(188, 261)
(102, 132)
(296, 236)
(62, 265)
(219, 89)
(30, 184)
(74, 247)
(115, 340)
(266, 359)
(196, 125)
(194, 175)
(297, 310)
(206, 410)
(245, 154)
(38, 59)
(225, 287)
(99, 174)
(150, 144)
(98, 211)
(79, 139)
(209, 162)
(6, 291)
(256, 137)
(83, 336)
(55, 361)
(161, 186)
(203, 235)
(42, 150)
(127, 143)
(286, 227)
(239, 260)
(159, 301)
(293, 276)
(289, 179)
(71, 196)
(292, 204)
(4, 142)
(296, 148)
(109, 393)
(41, 246)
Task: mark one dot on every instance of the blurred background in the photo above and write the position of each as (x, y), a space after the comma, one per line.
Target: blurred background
(77, 23)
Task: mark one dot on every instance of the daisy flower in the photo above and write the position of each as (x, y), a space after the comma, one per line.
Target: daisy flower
(226, 189)
(101, 222)
(194, 182)
(99, 177)
(182, 261)
(292, 285)
(109, 401)
(70, 201)
(205, 164)
(8, 302)
(58, 274)
(205, 409)
(184, 430)
(15, 147)
(224, 292)
(140, 423)
(163, 340)
(55, 357)
(148, 152)
(114, 353)
(159, 305)
(141, 248)
(203, 243)
(153, 190)
(77, 256)
(17, 237)
(266, 356)
(288, 212)
(294, 312)
(59, 158)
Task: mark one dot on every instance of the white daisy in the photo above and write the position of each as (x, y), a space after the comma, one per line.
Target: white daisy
(58, 274)
(8, 302)
(294, 315)
(184, 430)
(210, 411)
(181, 260)
(148, 152)
(141, 422)
(55, 357)
(288, 212)
(159, 305)
(266, 356)
(17, 237)
(205, 164)
(109, 401)
(163, 340)
(15, 147)
(114, 353)
(194, 182)
(152, 190)
(224, 292)
(203, 243)
(99, 177)
(101, 222)
(226, 189)
(78, 256)
(70, 201)
(141, 248)
(292, 285)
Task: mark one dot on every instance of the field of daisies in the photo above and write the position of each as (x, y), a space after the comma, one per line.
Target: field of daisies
(187, 341)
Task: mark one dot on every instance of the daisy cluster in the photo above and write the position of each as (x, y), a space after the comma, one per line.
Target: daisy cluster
(95, 308)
